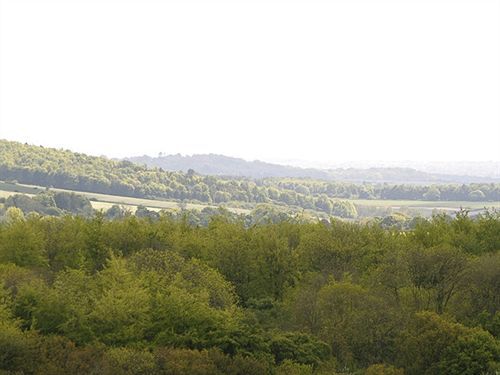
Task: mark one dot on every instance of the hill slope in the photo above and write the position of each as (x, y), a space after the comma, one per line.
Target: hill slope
(221, 165)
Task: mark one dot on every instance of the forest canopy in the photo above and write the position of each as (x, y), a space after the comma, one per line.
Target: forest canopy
(143, 295)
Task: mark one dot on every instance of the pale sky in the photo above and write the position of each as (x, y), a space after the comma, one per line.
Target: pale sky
(324, 81)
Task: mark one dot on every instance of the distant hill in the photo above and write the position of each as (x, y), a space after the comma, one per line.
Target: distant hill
(220, 165)
(489, 169)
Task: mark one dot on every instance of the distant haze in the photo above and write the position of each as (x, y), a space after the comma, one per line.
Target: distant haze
(368, 171)
(312, 81)
(460, 168)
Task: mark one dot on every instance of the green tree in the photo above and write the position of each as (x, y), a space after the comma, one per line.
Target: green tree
(344, 209)
(96, 251)
(323, 203)
(432, 345)
(22, 242)
(121, 313)
(436, 274)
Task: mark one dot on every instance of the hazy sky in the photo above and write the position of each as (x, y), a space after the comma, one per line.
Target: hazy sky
(325, 81)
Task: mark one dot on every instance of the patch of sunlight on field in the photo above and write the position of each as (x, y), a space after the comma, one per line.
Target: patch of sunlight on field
(424, 204)
(6, 194)
(107, 205)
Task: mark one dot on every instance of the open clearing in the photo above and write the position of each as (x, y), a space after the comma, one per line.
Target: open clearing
(424, 204)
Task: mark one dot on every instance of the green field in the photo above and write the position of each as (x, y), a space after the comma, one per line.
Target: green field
(424, 204)
(424, 208)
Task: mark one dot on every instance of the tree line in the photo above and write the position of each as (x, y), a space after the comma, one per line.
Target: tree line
(54, 203)
(68, 170)
(161, 295)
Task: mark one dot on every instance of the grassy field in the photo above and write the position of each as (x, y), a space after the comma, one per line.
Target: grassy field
(422, 208)
(6, 194)
(105, 201)
(7, 187)
(424, 204)
(107, 205)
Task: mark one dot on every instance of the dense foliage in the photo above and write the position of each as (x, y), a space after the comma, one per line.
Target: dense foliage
(75, 171)
(158, 295)
(50, 203)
